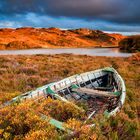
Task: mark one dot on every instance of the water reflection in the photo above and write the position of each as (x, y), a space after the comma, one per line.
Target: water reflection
(113, 52)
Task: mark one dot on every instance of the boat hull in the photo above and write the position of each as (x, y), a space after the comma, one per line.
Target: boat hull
(103, 90)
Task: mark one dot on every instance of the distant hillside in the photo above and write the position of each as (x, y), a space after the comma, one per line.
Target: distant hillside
(130, 44)
(27, 37)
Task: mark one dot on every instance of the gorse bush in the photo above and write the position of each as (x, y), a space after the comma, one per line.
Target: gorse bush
(24, 121)
(7, 96)
(18, 122)
(60, 110)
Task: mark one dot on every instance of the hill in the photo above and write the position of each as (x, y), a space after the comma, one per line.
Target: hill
(28, 37)
(130, 44)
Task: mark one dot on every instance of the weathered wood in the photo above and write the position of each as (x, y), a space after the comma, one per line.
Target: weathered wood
(94, 92)
(104, 88)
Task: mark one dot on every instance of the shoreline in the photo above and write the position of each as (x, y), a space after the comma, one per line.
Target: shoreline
(72, 47)
(86, 47)
(108, 52)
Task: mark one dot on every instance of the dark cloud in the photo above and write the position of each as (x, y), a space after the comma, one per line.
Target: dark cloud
(119, 11)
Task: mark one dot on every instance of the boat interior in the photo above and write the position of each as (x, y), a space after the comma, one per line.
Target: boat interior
(99, 92)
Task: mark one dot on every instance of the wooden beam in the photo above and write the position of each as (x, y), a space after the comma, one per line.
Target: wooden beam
(94, 92)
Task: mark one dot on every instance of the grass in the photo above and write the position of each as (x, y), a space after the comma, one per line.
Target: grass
(19, 74)
(27, 38)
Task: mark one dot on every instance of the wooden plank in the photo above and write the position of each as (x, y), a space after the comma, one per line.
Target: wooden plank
(104, 88)
(94, 92)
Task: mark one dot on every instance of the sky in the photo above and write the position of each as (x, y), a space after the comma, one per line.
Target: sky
(121, 16)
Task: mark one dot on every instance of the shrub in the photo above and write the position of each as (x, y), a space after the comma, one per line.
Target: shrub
(17, 45)
(130, 44)
(21, 121)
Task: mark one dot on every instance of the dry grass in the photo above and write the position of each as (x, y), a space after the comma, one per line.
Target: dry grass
(26, 38)
(19, 74)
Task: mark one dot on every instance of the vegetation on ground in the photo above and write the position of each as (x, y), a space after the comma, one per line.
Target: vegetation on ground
(28, 37)
(19, 74)
(130, 44)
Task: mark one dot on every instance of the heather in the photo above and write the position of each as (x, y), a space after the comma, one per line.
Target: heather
(19, 74)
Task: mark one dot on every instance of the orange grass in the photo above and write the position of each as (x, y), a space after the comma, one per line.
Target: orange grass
(19, 74)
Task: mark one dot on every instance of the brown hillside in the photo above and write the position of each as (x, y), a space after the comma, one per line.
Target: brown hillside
(28, 37)
(130, 44)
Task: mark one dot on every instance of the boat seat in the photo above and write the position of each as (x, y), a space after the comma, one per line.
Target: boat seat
(93, 92)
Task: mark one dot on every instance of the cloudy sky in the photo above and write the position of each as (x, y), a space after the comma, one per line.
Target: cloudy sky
(107, 15)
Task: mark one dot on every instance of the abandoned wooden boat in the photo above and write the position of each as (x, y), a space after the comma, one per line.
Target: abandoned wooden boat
(103, 90)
